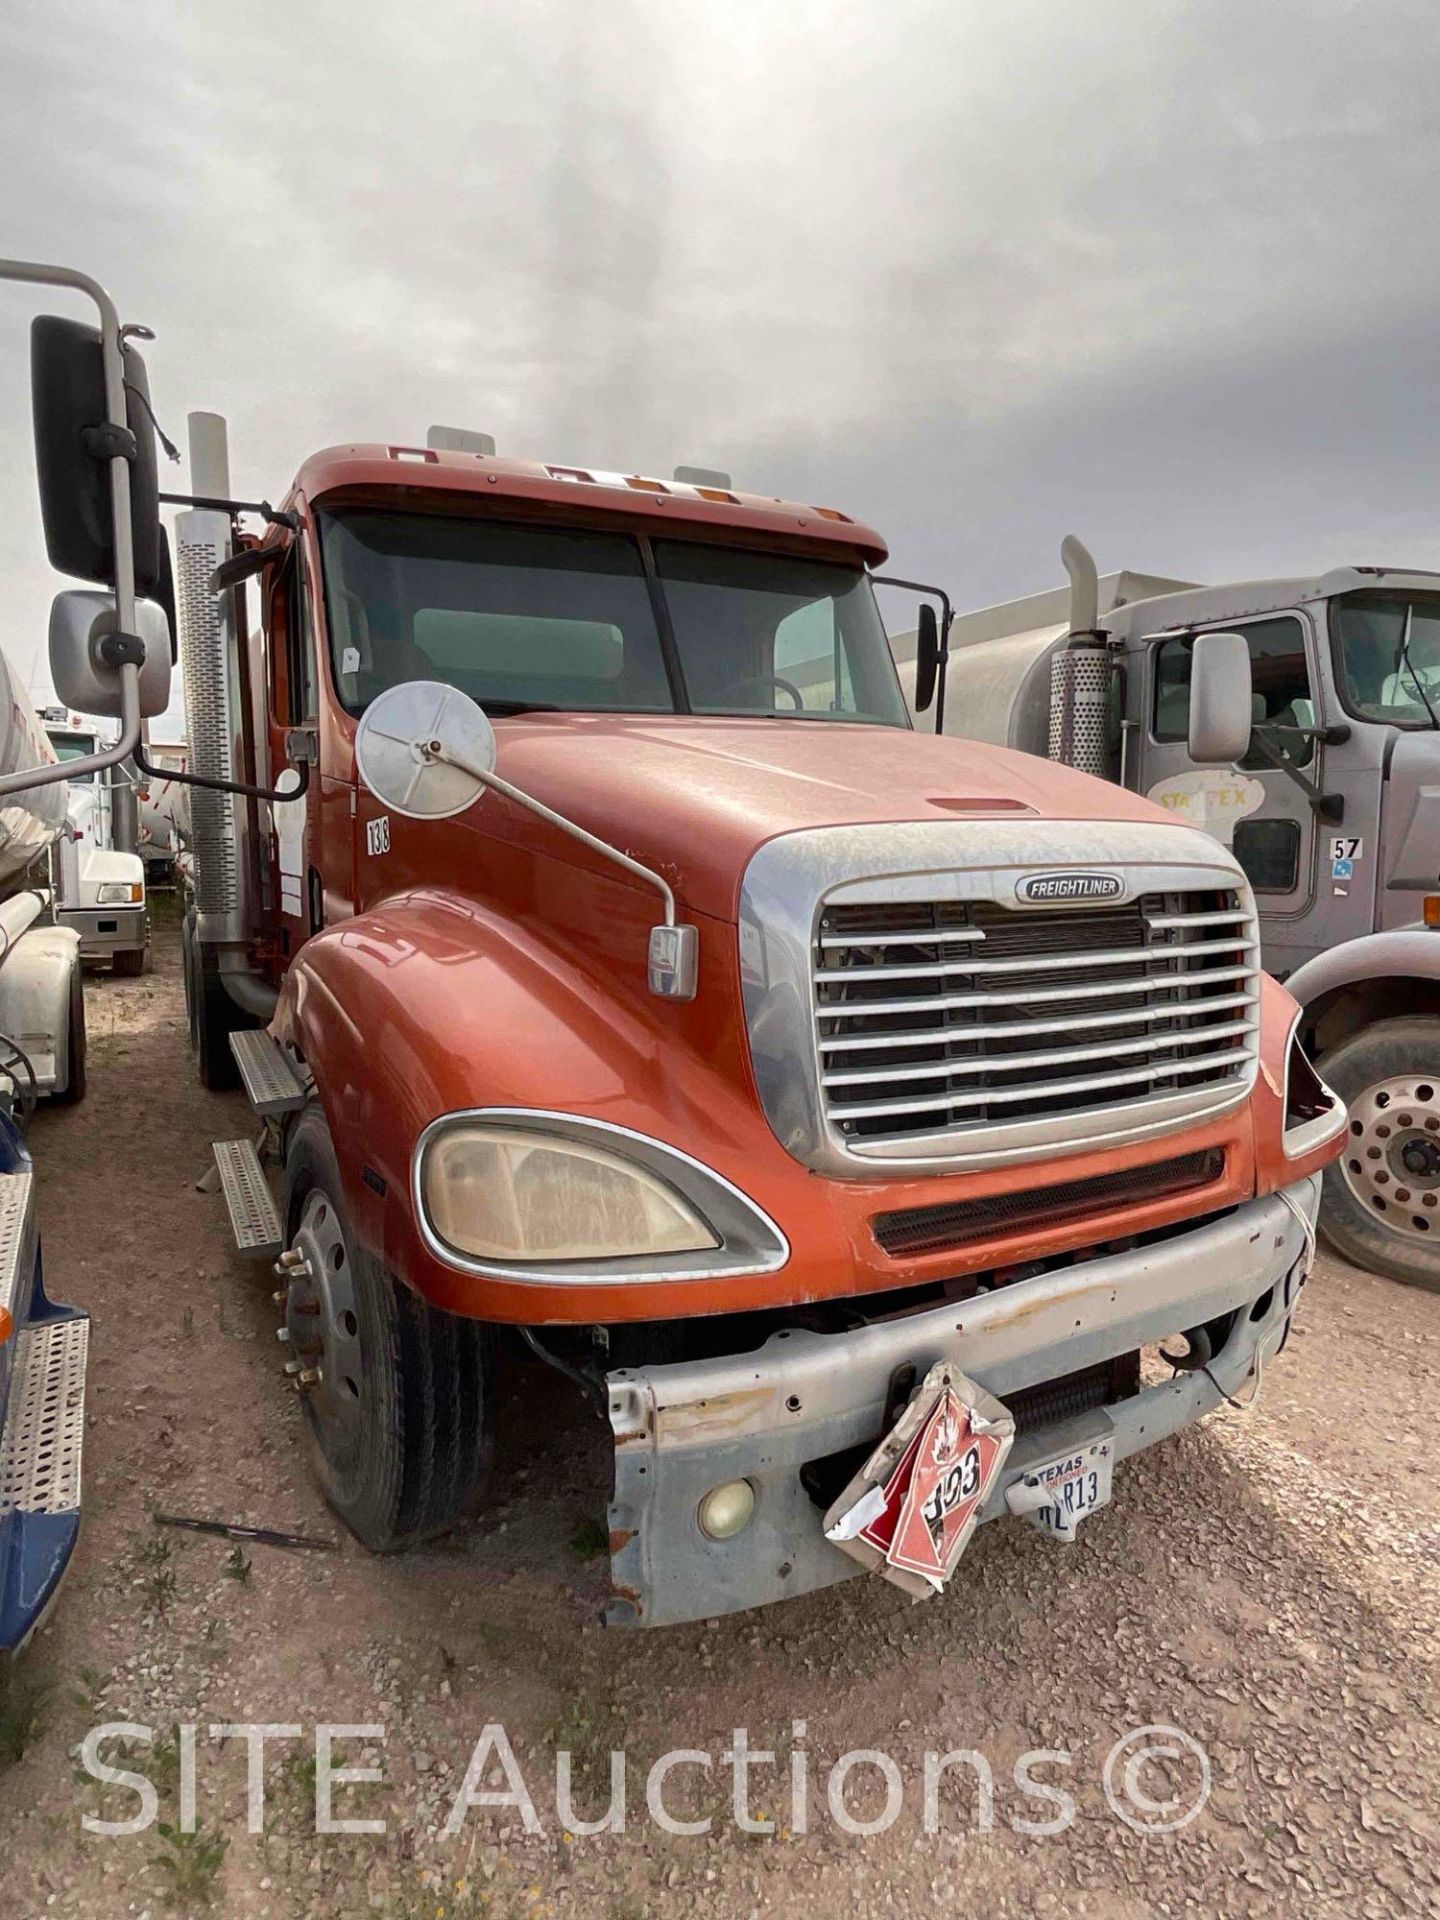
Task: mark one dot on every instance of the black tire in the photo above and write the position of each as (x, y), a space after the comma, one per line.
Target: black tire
(130, 965)
(1385, 1233)
(74, 1090)
(412, 1460)
(212, 1014)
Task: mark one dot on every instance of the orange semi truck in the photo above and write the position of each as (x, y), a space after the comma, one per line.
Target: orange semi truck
(856, 1115)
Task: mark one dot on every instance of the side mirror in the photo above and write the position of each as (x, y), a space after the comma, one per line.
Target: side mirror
(927, 656)
(74, 446)
(1220, 709)
(80, 622)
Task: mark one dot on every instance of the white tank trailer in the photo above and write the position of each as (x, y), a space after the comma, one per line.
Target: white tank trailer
(42, 1010)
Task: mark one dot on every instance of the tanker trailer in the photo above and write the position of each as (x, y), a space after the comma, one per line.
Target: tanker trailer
(42, 1051)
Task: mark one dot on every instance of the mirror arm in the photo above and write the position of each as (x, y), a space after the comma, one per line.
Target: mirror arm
(275, 516)
(152, 772)
(947, 619)
(112, 355)
(596, 845)
(1323, 803)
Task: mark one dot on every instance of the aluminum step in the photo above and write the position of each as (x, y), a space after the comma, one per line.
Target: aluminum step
(254, 1217)
(45, 1423)
(270, 1081)
(15, 1193)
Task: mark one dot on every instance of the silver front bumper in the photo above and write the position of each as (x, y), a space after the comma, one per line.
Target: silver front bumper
(105, 931)
(681, 1430)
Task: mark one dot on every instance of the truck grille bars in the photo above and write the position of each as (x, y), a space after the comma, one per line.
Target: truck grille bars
(947, 1016)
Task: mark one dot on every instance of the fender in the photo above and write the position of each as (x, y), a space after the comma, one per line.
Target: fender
(1403, 952)
(431, 1003)
(35, 1001)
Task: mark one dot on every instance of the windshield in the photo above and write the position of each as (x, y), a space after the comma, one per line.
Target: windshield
(1389, 665)
(563, 619)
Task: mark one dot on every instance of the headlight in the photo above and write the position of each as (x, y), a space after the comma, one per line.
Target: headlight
(119, 893)
(561, 1199)
(506, 1195)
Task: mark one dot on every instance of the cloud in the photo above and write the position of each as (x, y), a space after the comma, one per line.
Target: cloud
(977, 273)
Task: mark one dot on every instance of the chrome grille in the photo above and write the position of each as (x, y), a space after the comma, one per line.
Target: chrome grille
(938, 1017)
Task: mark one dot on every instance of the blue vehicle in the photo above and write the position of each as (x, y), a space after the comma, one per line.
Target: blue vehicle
(42, 1410)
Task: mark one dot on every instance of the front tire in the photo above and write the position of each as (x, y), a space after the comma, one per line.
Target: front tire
(75, 1042)
(1380, 1203)
(129, 965)
(396, 1394)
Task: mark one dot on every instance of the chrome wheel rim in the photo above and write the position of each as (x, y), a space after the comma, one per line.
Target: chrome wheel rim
(1392, 1155)
(324, 1327)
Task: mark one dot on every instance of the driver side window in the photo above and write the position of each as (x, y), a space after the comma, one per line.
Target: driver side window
(1282, 701)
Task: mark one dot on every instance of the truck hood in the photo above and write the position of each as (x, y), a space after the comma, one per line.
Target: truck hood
(696, 797)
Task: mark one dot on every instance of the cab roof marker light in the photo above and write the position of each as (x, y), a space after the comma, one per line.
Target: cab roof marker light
(725, 498)
(642, 485)
(414, 456)
(579, 475)
(833, 513)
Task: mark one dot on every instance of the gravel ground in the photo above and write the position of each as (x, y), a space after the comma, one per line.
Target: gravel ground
(1267, 1584)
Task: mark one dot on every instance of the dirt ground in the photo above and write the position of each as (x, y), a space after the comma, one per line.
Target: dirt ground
(1267, 1584)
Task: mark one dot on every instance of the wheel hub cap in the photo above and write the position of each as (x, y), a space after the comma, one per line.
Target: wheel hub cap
(321, 1321)
(1392, 1157)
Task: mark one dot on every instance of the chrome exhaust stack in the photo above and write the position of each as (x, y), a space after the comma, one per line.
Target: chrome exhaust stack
(1081, 673)
(210, 659)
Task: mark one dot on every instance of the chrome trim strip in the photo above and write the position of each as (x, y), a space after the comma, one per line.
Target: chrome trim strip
(1060, 1057)
(893, 863)
(754, 1242)
(1041, 963)
(1023, 1029)
(1311, 1133)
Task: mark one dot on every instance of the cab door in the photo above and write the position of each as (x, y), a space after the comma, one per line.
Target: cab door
(1268, 814)
(298, 896)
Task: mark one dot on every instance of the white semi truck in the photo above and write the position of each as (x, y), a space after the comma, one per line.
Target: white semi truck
(99, 887)
(1327, 791)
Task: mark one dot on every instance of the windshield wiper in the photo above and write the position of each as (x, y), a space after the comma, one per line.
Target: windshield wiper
(504, 709)
(1402, 659)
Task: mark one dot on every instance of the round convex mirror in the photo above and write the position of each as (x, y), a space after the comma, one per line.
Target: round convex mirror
(408, 741)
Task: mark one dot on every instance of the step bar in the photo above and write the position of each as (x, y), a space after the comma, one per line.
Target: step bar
(254, 1217)
(271, 1082)
(41, 1452)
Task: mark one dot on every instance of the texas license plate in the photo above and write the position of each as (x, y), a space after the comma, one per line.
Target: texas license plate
(1076, 1484)
(910, 1511)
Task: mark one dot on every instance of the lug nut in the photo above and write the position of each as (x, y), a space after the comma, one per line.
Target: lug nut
(309, 1377)
(280, 1296)
(292, 1367)
(282, 1334)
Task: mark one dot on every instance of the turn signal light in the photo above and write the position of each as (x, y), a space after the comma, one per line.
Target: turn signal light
(1432, 909)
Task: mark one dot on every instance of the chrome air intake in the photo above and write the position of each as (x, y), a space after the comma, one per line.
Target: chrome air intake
(210, 665)
(934, 996)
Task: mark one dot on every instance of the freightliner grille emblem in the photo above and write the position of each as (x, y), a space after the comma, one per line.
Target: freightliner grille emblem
(1045, 889)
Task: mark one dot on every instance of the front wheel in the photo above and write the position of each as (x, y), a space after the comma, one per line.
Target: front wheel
(1380, 1204)
(75, 1041)
(130, 964)
(396, 1394)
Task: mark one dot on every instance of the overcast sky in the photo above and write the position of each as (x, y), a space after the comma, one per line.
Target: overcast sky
(1165, 272)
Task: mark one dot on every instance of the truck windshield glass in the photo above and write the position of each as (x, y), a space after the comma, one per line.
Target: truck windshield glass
(1389, 671)
(539, 618)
